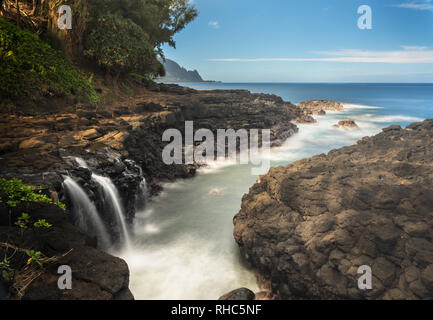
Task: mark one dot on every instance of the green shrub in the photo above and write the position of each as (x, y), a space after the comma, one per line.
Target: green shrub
(118, 46)
(27, 64)
(34, 256)
(6, 270)
(42, 223)
(16, 192)
(23, 221)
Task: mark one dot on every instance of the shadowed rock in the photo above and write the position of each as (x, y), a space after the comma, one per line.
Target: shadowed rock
(239, 294)
(96, 275)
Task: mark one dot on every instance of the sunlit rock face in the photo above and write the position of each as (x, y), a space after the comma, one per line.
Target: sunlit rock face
(310, 225)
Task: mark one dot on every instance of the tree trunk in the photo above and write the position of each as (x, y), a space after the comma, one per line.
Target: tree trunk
(34, 7)
(17, 7)
(116, 81)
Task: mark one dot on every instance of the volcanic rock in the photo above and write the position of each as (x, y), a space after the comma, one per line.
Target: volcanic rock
(320, 106)
(309, 226)
(346, 124)
(238, 294)
(96, 275)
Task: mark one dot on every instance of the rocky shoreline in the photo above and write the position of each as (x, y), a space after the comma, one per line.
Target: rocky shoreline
(307, 227)
(319, 107)
(123, 143)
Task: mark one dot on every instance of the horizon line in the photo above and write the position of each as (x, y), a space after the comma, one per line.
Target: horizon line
(307, 82)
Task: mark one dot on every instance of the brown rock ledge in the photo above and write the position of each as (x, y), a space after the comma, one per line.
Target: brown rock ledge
(346, 124)
(319, 107)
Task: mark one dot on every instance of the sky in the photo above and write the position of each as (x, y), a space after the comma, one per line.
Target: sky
(308, 41)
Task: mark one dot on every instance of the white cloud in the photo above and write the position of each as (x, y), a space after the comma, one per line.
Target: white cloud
(413, 48)
(214, 24)
(416, 5)
(409, 55)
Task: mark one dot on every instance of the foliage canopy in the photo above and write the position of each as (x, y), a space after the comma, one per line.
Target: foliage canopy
(127, 35)
(26, 63)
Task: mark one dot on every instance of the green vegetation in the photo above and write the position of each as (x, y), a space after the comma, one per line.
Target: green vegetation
(125, 36)
(27, 63)
(7, 271)
(23, 221)
(16, 192)
(34, 256)
(119, 46)
(42, 223)
(60, 205)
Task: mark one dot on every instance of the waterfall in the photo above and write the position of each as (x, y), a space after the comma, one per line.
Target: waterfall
(111, 194)
(85, 213)
(142, 196)
(81, 163)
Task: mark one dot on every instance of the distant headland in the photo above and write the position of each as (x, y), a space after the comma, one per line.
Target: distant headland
(176, 74)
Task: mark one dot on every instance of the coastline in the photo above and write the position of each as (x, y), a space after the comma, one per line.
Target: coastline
(123, 143)
(132, 126)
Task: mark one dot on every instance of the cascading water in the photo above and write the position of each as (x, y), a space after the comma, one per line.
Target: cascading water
(142, 196)
(85, 213)
(112, 195)
(81, 163)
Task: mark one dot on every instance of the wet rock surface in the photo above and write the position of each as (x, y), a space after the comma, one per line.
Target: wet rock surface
(238, 294)
(319, 107)
(308, 226)
(346, 124)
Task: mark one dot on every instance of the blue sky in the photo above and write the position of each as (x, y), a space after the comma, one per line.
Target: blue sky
(308, 41)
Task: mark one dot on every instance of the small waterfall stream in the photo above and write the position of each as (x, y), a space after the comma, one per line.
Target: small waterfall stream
(142, 196)
(111, 200)
(112, 195)
(86, 215)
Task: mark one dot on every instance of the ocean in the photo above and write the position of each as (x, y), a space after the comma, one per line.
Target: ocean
(183, 246)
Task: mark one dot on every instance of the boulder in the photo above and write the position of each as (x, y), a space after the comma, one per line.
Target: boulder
(319, 106)
(309, 226)
(238, 294)
(346, 124)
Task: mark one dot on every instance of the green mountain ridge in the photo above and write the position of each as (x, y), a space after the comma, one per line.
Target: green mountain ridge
(176, 73)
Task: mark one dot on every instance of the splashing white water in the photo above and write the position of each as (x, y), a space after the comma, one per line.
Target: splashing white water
(360, 106)
(81, 163)
(216, 192)
(85, 213)
(184, 246)
(389, 118)
(186, 270)
(111, 193)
